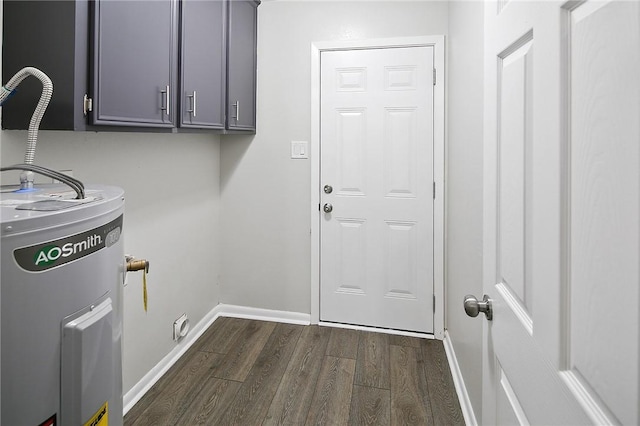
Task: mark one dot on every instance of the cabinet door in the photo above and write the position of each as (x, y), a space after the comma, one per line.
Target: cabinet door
(135, 54)
(241, 67)
(203, 64)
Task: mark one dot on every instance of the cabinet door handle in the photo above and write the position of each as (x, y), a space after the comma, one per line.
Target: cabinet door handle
(166, 97)
(168, 101)
(193, 103)
(237, 105)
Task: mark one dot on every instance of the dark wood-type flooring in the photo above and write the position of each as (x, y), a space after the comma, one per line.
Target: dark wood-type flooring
(245, 372)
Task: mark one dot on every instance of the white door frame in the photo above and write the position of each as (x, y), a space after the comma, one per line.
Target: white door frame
(437, 42)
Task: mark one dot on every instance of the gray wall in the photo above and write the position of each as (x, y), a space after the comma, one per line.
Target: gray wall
(266, 195)
(172, 218)
(464, 188)
(176, 184)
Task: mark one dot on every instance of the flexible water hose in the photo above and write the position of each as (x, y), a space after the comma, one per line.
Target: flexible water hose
(75, 184)
(45, 97)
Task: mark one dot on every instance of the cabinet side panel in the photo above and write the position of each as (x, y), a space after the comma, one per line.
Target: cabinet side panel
(39, 34)
(81, 64)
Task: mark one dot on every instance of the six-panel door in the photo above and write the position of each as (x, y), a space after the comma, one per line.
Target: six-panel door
(377, 155)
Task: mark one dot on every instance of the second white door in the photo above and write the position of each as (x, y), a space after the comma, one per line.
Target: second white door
(561, 208)
(376, 176)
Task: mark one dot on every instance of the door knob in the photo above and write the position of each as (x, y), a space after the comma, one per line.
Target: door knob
(473, 307)
(328, 189)
(328, 208)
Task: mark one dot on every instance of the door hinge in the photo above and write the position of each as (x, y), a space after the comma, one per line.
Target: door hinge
(434, 76)
(434, 190)
(434, 303)
(87, 104)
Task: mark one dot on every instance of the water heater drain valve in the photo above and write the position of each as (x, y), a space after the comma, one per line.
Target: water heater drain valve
(134, 264)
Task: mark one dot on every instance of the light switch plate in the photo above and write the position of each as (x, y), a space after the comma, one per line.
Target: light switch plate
(299, 149)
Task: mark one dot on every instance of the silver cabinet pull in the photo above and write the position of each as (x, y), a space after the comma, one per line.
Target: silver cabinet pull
(168, 100)
(193, 103)
(237, 106)
(166, 97)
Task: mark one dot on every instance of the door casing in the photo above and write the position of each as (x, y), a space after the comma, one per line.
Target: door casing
(437, 42)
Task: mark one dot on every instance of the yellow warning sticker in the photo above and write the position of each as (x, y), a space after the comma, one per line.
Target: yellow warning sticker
(101, 417)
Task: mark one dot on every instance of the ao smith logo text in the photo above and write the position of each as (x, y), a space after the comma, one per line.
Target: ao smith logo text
(51, 254)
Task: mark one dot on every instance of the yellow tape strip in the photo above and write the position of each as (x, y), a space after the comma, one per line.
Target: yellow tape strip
(144, 289)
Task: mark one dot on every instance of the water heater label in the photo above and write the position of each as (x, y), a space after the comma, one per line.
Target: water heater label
(51, 421)
(101, 418)
(51, 254)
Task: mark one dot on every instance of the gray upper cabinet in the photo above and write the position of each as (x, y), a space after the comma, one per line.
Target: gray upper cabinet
(241, 65)
(142, 63)
(134, 63)
(218, 64)
(203, 64)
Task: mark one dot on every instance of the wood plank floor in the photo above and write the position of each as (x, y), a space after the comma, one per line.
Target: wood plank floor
(245, 372)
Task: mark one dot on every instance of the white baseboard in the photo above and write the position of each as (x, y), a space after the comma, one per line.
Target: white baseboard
(142, 387)
(458, 381)
(148, 380)
(236, 311)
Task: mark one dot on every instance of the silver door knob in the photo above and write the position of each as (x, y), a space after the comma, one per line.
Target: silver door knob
(473, 307)
(328, 189)
(328, 208)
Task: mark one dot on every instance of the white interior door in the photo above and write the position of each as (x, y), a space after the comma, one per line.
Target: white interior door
(376, 154)
(561, 212)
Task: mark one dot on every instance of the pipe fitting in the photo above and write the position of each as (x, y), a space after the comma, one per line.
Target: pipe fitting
(137, 265)
(26, 180)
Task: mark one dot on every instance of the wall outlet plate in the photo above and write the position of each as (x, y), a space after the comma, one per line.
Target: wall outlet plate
(180, 327)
